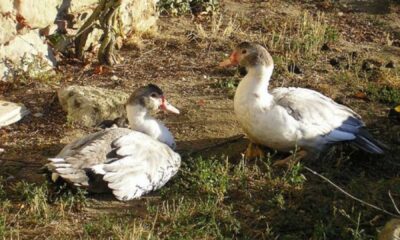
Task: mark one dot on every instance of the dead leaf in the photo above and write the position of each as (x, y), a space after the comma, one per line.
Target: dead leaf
(22, 22)
(361, 95)
(101, 69)
(201, 102)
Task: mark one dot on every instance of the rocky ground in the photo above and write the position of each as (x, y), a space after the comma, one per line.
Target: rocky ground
(348, 50)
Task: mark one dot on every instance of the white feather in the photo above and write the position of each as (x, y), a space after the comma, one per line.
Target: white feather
(288, 117)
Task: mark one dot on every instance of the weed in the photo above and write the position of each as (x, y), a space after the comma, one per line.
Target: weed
(34, 198)
(69, 202)
(299, 37)
(201, 219)
(202, 176)
(384, 94)
(278, 200)
(294, 175)
(5, 207)
(230, 83)
(357, 233)
(102, 226)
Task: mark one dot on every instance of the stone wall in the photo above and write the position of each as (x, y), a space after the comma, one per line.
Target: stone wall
(22, 20)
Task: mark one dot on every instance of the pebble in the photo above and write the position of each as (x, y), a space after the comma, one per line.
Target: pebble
(114, 78)
(390, 64)
(38, 115)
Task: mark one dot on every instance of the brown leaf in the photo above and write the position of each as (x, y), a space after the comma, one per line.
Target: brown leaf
(101, 69)
(201, 102)
(21, 22)
(361, 95)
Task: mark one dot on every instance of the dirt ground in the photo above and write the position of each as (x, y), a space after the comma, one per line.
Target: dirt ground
(182, 59)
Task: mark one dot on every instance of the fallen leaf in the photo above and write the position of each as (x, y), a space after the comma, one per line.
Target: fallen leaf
(101, 70)
(361, 95)
(201, 102)
(22, 22)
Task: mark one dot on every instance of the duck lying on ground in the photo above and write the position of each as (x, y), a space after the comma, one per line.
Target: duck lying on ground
(129, 162)
(286, 118)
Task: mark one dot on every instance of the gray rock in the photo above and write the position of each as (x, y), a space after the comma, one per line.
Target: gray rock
(11, 112)
(21, 39)
(90, 106)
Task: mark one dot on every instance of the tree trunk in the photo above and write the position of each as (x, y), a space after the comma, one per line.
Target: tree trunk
(104, 16)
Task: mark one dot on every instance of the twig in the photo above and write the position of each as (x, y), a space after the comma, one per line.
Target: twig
(394, 203)
(351, 196)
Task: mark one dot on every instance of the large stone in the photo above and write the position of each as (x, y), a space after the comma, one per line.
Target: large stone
(137, 16)
(89, 106)
(28, 52)
(6, 6)
(7, 28)
(11, 112)
(76, 6)
(38, 13)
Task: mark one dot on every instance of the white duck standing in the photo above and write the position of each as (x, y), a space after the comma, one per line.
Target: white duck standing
(287, 118)
(129, 162)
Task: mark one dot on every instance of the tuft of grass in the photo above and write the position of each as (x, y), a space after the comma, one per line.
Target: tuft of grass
(202, 177)
(294, 175)
(34, 198)
(384, 94)
(217, 28)
(186, 218)
(299, 37)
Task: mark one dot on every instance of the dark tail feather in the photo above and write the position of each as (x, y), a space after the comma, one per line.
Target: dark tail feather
(366, 142)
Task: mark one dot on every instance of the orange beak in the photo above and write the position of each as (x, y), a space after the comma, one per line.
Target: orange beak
(167, 107)
(231, 61)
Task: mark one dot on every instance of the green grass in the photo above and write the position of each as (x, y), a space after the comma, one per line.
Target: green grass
(299, 37)
(384, 94)
(210, 198)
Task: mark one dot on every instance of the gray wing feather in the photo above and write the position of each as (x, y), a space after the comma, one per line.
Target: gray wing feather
(318, 114)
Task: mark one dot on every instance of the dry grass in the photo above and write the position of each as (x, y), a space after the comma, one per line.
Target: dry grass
(217, 29)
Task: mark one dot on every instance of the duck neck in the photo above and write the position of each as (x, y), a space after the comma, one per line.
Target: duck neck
(139, 118)
(258, 77)
(255, 84)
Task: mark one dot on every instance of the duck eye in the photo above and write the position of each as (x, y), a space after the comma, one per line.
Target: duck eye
(154, 95)
(244, 51)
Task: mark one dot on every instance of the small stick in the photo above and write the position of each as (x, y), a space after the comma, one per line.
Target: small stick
(351, 196)
(394, 203)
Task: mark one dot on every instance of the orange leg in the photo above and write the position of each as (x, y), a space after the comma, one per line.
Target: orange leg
(292, 159)
(253, 151)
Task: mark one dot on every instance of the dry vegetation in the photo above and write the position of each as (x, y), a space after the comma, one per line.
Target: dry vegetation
(349, 55)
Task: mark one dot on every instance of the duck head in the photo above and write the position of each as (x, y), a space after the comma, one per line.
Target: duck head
(152, 98)
(248, 55)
